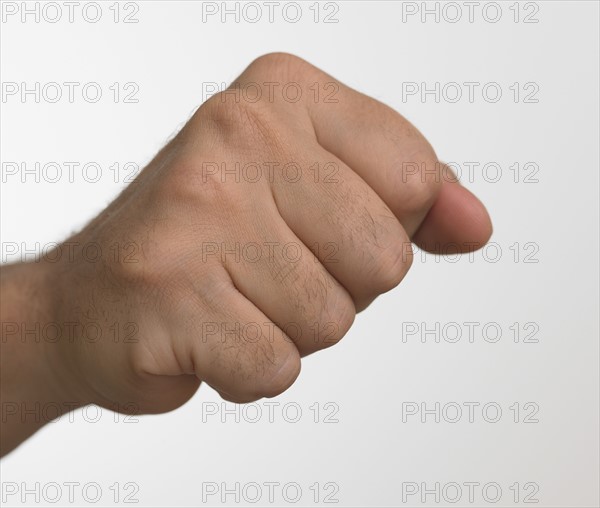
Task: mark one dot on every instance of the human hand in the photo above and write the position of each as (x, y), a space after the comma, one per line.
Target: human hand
(252, 239)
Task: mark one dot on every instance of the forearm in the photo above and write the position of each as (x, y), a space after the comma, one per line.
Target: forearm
(33, 390)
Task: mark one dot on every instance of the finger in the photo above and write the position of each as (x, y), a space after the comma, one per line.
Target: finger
(378, 144)
(236, 349)
(457, 221)
(385, 150)
(389, 153)
(345, 223)
(283, 278)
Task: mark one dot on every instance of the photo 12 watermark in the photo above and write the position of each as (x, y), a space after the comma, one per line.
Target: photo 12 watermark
(271, 411)
(70, 12)
(75, 493)
(453, 412)
(274, 493)
(251, 12)
(469, 493)
(451, 12)
(70, 92)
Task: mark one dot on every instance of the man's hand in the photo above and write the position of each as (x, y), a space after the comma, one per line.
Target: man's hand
(284, 206)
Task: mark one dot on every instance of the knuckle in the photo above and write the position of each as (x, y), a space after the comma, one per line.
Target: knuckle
(230, 112)
(422, 196)
(386, 252)
(335, 319)
(277, 379)
(198, 184)
(423, 178)
(324, 306)
(391, 265)
(239, 124)
(182, 181)
(256, 367)
(279, 65)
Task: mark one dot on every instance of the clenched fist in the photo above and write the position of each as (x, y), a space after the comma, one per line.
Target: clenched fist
(284, 206)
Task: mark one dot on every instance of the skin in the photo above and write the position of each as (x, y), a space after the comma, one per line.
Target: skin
(178, 298)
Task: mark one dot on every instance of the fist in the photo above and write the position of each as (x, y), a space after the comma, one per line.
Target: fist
(286, 204)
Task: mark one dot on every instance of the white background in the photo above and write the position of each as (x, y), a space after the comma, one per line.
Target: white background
(370, 453)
